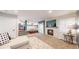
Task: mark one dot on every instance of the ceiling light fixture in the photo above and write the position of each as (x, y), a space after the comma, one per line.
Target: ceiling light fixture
(15, 11)
(50, 11)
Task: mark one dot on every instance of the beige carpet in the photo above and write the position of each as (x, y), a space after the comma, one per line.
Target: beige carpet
(54, 42)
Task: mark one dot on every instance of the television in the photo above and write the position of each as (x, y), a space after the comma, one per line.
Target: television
(51, 23)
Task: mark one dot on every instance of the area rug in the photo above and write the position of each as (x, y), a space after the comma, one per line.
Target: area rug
(36, 43)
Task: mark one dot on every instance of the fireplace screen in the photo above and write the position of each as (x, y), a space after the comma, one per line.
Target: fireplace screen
(50, 32)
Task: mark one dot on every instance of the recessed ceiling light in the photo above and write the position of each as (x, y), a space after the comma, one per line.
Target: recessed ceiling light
(50, 11)
(16, 11)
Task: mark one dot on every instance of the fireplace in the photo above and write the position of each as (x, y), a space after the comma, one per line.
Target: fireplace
(50, 32)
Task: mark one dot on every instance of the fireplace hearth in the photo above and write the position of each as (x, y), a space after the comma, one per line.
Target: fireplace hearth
(50, 32)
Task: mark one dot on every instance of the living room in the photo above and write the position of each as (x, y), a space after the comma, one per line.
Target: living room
(40, 25)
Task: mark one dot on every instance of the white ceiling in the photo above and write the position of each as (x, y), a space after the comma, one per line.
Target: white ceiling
(36, 15)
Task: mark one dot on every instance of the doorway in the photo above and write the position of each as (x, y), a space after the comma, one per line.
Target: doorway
(41, 27)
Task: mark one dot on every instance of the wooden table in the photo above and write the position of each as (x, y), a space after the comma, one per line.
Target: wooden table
(32, 31)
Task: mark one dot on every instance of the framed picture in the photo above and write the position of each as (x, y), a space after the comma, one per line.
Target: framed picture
(51, 23)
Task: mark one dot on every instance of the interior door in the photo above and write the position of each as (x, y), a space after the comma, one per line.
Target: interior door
(41, 27)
